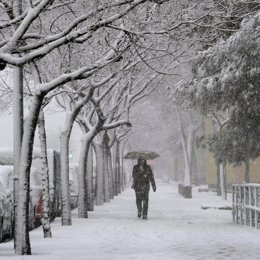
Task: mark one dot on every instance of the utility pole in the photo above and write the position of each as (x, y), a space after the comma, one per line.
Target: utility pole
(17, 122)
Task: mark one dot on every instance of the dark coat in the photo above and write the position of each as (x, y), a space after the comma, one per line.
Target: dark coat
(143, 178)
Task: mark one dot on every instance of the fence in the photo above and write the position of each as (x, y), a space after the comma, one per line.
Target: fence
(246, 204)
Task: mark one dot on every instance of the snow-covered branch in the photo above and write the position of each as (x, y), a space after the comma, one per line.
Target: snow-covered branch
(116, 124)
(32, 14)
(54, 41)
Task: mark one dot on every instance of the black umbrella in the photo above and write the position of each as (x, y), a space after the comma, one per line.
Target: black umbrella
(146, 155)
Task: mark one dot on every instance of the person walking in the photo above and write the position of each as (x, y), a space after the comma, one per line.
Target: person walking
(142, 177)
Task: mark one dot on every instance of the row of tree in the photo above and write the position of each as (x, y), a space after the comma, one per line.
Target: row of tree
(224, 87)
(78, 53)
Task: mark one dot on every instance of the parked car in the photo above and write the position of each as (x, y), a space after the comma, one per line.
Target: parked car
(6, 203)
(36, 195)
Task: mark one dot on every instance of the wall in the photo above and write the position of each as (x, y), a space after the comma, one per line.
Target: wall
(234, 174)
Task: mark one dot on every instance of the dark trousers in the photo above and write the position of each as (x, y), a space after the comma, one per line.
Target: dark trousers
(142, 198)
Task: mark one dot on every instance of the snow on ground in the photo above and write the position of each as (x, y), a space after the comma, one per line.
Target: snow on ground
(177, 229)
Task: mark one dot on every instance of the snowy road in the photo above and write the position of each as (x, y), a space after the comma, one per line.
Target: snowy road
(177, 229)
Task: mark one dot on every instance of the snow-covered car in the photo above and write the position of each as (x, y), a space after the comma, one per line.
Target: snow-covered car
(6, 203)
(36, 197)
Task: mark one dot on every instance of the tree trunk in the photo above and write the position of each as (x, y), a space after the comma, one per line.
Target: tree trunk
(195, 174)
(124, 181)
(18, 134)
(23, 246)
(105, 168)
(222, 173)
(191, 153)
(247, 176)
(65, 193)
(45, 177)
(99, 151)
(187, 174)
(82, 178)
(218, 180)
(111, 174)
(90, 188)
(117, 167)
(85, 196)
(64, 152)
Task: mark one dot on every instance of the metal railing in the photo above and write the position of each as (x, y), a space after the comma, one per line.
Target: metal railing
(246, 204)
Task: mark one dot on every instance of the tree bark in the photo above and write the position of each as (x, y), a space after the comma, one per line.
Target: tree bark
(124, 179)
(86, 188)
(82, 196)
(111, 174)
(65, 193)
(64, 151)
(218, 180)
(23, 246)
(196, 177)
(85, 196)
(117, 168)
(191, 155)
(187, 174)
(222, 173)
(45, 177)
(99, 151)
(105, 168)
(90, 188)
(18, 134)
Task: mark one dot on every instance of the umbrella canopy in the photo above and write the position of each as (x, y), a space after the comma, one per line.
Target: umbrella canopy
(146, 155)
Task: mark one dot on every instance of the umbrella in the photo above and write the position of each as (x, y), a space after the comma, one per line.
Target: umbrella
(146, 155)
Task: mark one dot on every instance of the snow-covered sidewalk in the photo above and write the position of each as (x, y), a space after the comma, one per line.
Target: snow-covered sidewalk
(177, 229)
